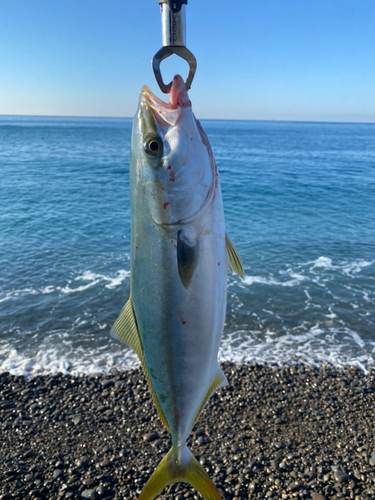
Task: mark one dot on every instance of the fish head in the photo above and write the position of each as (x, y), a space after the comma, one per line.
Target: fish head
(172, 156)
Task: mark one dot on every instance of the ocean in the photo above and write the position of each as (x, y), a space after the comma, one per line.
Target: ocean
(299, 204)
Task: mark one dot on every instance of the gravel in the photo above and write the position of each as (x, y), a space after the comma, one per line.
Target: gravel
(274, 433)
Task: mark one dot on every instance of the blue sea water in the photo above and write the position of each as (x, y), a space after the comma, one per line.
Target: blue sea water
(299, 205)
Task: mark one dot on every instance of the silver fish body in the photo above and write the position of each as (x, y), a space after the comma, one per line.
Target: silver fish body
(179, 256)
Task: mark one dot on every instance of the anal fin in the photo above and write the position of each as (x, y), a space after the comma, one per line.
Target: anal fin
(126, 329)
(219, 381)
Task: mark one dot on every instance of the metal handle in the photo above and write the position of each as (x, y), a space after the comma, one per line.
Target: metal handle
(173, 22)
(173, 26)
(174, 5)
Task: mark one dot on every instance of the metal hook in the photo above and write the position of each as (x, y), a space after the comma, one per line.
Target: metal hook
(165, 52)
(173, 21)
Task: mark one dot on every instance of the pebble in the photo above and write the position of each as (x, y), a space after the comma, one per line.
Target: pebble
(340, 476)
(91, 494)
(105, 463)
(88, 482)
(200, 440)
(111, 455)
(150, 436)
(35, 493)
(108, 382)
(57, 473)
(101, 490)
(294, 486)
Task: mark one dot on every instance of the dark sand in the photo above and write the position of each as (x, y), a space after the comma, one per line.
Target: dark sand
(276, 433)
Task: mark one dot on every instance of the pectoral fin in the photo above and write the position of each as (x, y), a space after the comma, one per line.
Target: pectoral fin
(187, 258)
(126, 329)
(233, 259)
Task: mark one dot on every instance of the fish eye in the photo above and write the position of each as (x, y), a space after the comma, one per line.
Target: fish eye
(153, 146)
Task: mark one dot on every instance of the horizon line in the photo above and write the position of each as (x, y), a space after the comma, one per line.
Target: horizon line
(216, 119)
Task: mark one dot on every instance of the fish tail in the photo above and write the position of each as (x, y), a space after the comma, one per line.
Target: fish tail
(176, 466)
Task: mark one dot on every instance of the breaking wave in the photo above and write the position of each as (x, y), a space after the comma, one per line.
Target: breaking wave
(314, 331)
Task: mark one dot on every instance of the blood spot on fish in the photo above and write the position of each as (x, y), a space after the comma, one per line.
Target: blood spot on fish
(181, 318)
(218, 263)
(171, 176)
(169, 167)
(165, 205)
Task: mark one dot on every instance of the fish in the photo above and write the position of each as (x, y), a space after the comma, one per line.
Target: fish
(180, 251)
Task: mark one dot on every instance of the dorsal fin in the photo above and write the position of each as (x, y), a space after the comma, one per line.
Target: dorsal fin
(126, 329)
(233, 259)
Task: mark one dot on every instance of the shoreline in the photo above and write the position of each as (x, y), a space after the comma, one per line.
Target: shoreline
(275, 432)
(66, 368)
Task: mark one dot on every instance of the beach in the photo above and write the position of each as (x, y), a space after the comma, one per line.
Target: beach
(276, 432)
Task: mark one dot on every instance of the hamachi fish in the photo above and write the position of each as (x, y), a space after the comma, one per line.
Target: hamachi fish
(180, 251)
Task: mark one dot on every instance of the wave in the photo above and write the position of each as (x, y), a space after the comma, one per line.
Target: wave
(296, 280)
(345, 266)
(298, 273)
(51, 362)
(91, 278)
(17, 293)
(315, 345)
(320, 317)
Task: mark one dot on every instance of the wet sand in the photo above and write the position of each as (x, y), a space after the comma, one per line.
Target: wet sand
(292, 432)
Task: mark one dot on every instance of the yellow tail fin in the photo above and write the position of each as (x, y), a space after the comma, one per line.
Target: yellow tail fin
(184, 468)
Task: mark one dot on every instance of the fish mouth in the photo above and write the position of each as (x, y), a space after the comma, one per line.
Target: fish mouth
(167, 113)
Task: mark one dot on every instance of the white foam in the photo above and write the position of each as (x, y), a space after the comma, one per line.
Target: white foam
(17, 293)
(271, 281)
(324, 262)
(314, 345)
(327, 340)
(113, 282)
(345, 266)
(81, 362)
(356, 266)
(88, 276)
(94, 279)
(67, 289)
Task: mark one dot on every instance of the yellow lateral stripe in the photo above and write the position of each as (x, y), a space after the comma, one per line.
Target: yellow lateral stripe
(126, 329)
(233, 257)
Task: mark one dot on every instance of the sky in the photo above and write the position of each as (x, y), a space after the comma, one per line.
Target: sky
(309, 60)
